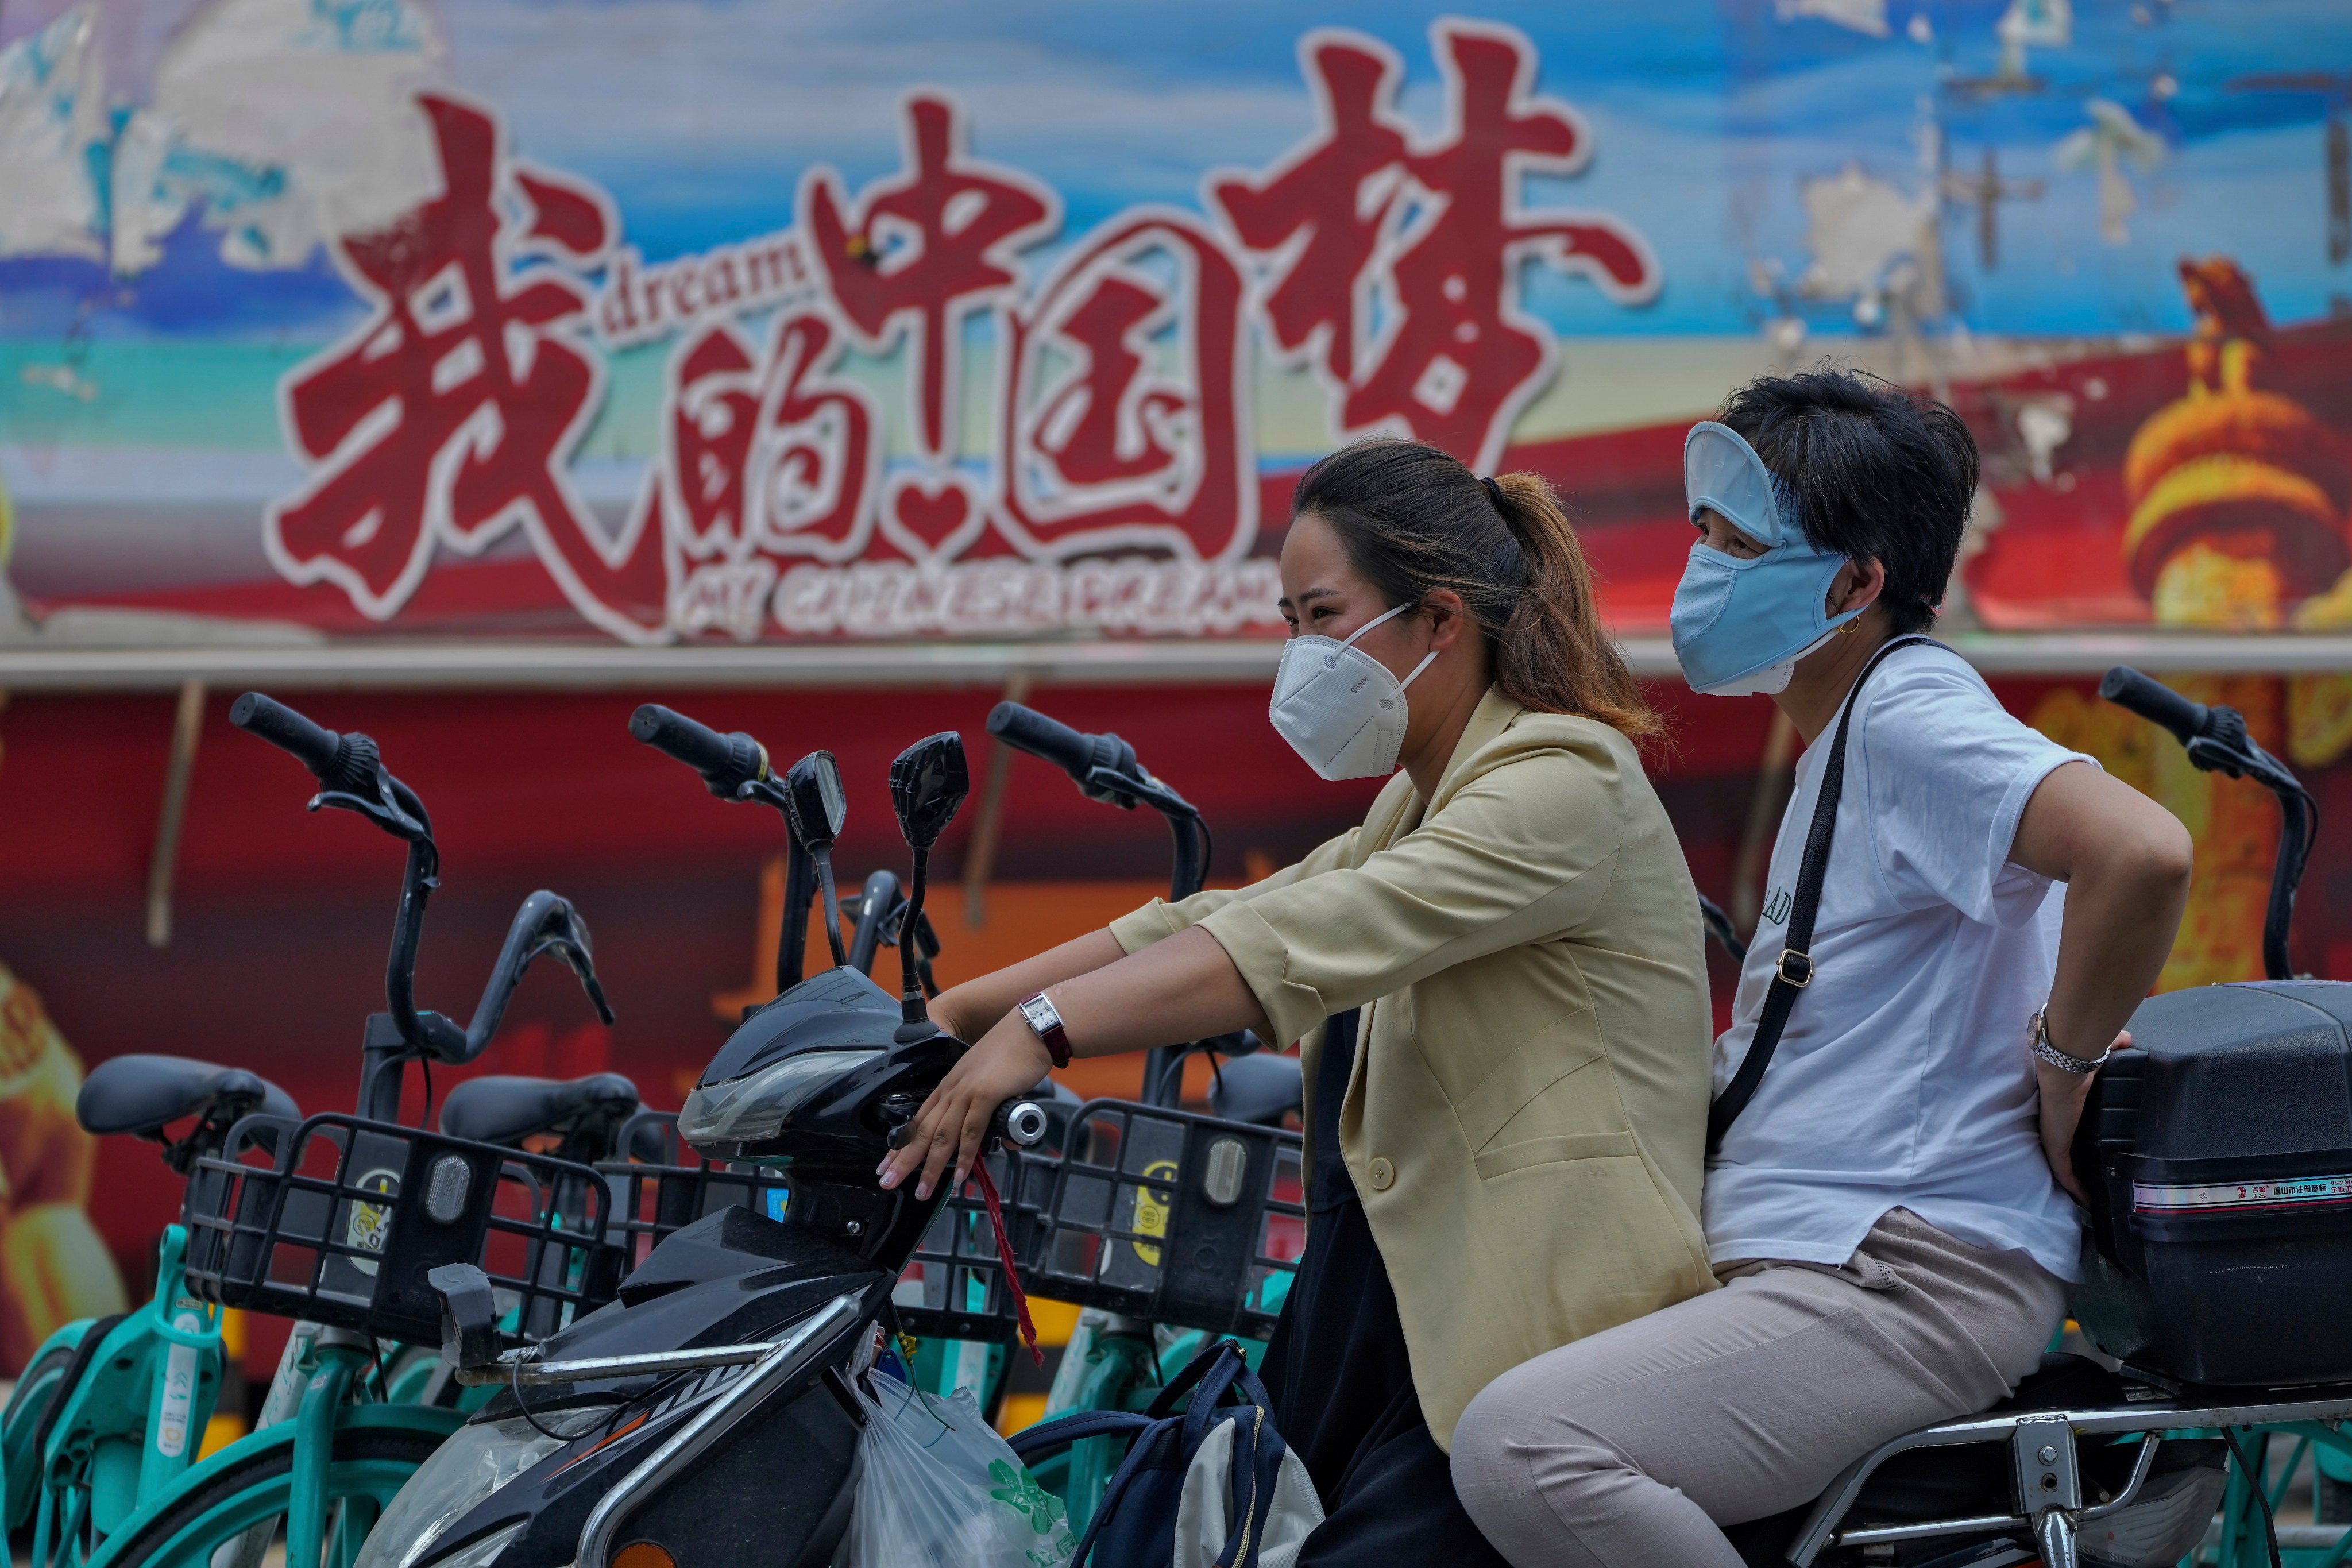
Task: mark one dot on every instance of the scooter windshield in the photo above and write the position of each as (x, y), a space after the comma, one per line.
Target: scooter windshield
(716, 1118)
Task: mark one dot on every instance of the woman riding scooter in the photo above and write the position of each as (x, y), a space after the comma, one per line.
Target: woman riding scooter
(1506, 1107)
(1883, 1199)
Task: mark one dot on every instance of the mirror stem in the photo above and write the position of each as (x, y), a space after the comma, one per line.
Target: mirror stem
(830, 905)
(914, 1018)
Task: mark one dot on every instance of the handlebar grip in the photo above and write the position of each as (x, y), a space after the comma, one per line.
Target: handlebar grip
(2158, 703)
(1026, 729)
(315, 747)
(724, 761)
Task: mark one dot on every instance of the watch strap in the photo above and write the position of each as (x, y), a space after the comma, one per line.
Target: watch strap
(1045, 1020)
(2057, 1058)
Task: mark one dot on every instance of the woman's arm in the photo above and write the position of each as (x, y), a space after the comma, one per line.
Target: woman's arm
(2124, 861)
(969, 1010)
(1185, 988)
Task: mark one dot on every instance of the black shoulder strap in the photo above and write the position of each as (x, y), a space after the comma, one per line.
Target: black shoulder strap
(1793, 971)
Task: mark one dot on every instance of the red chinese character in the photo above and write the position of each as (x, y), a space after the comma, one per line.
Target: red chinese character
(1437, 229)
(928, 248)
(765, 460)
(451, 417)
(1115, 450)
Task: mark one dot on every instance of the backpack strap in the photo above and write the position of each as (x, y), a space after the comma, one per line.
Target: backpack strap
(1063, 1430)
(1793, 971)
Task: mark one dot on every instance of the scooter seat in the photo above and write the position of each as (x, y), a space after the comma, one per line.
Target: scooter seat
(500, 1110)
(143, 1094)
(1257, 1089)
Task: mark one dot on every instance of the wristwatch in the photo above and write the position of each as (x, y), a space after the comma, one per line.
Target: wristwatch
(2056, 1058)
(1045, 1019)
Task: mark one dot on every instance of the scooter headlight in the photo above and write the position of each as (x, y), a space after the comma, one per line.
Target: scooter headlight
(476, 1461)
(754, 1106)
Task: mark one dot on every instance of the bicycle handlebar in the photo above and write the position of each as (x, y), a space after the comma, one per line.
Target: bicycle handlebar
(1026, 729)
(727, 763)
(314, 746)
(1082, 756)
(346, 763)
(2216, 740)
(2158, 704)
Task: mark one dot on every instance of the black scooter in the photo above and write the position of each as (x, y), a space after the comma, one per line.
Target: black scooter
(709, 1415)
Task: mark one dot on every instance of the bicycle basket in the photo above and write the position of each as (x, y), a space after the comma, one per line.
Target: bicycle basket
(1172, 1216)
(344, 1219)
(953, 1285)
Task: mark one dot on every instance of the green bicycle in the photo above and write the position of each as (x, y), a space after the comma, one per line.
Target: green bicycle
(331, 1221)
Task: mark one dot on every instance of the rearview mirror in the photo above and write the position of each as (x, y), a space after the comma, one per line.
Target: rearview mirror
(815, 804)
(928, 784)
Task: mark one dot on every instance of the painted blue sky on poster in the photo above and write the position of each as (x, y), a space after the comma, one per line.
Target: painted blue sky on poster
(1707, 117)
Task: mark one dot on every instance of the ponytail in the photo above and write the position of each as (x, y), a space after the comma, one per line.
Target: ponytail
(1551, 654)
(1413, 520)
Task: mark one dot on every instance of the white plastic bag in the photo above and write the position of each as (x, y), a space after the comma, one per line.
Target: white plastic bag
(937, 1485)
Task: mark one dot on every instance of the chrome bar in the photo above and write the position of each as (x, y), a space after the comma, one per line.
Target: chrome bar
(779, 1360)
(513, 1367)
(2131, 1488)
(1877, 1533)
(2157, 1416)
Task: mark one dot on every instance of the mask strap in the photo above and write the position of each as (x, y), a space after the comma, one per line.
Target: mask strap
(1376, 620)
(1417, 669)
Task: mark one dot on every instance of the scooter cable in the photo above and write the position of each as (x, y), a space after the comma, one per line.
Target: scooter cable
(514, 1385)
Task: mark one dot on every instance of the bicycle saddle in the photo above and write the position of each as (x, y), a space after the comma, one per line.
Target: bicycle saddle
(142, 1094)
(1256, 1089)
(587, 1111)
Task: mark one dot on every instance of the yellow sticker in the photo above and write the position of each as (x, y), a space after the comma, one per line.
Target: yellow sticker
(1151, 1214)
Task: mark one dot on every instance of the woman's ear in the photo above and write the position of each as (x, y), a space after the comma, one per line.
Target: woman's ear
(1857, 585)
(1445, 611)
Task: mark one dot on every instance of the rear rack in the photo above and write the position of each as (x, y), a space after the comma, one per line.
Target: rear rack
(343, 1222)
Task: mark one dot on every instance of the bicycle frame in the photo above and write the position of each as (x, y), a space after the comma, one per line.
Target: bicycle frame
(132, 1423)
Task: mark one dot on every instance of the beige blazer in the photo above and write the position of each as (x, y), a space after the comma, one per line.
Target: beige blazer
(1526, 1124)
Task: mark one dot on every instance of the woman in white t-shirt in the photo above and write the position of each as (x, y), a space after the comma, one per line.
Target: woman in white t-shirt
(1884, 1214)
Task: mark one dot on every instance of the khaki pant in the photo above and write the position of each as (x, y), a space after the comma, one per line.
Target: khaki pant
(1626, 1450)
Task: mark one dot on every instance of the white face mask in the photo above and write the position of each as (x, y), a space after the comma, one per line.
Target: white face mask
(1339, 707)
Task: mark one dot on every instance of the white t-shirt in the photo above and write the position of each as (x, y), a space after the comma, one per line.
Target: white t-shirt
(1903, 1079)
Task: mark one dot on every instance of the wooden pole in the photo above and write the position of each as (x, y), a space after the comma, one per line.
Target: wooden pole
(981, 860)
(187, 726)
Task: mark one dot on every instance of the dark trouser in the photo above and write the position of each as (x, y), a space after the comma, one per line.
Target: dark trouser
(1343, 1399)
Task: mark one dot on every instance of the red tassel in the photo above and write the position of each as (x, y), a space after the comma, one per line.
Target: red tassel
(1004, 1258)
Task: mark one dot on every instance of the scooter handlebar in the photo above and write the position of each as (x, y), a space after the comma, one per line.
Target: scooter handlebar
(725, 762)
(314, 747)
(1026, 729)
(2156, 703)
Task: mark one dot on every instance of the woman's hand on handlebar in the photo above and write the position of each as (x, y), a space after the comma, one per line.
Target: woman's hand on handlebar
(1006, 1064)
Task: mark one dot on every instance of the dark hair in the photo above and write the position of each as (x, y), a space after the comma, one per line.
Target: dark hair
(1413, 520)
(1868, 470)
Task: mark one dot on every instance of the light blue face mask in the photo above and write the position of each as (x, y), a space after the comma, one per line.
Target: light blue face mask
(1740, 625)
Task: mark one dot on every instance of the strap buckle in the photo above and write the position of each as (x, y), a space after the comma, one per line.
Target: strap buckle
(1793, 968)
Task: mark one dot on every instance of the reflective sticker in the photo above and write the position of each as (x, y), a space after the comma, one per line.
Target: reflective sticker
(2297, 1191)
(179, 1391)
(370, 1224)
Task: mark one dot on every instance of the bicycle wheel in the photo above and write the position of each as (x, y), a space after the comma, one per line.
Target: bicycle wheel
(368, 1467)
(42, 1385)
